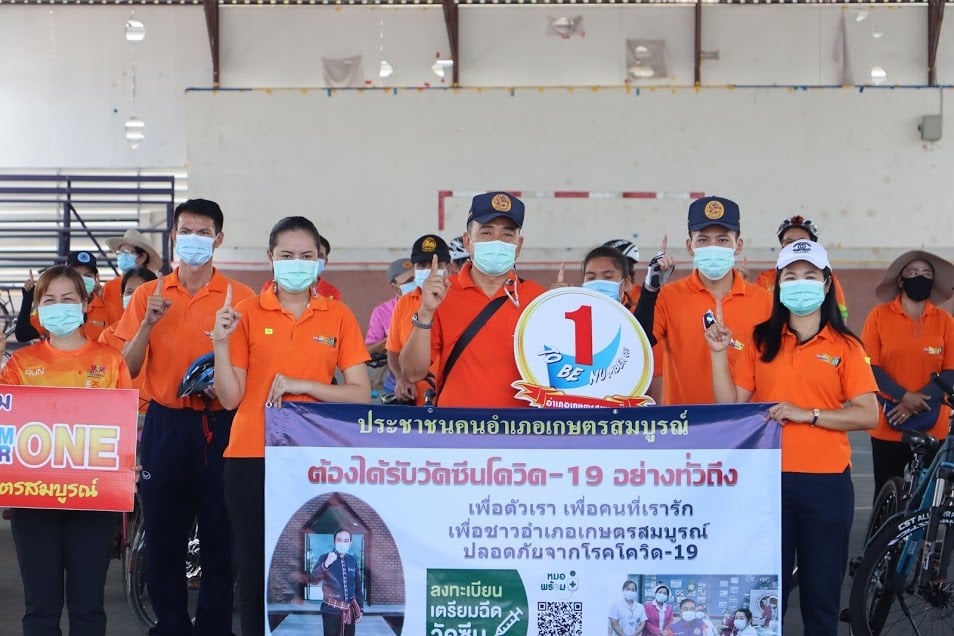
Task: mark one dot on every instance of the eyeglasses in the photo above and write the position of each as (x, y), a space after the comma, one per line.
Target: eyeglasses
(120, 252)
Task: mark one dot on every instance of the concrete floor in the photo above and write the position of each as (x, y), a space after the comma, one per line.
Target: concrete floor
(121, 622)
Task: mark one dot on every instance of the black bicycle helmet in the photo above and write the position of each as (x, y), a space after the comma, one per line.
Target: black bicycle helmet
(198, 377)
(798, 221)
(628, 248)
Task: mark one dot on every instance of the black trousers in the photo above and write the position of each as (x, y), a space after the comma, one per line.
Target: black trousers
(333, 627)
(245, 500)
(54, 543)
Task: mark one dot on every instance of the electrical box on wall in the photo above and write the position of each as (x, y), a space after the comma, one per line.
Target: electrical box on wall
(930, 127)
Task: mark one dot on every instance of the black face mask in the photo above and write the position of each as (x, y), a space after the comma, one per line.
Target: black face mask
(917, 288)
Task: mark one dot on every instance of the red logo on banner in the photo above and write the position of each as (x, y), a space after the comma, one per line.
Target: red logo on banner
(67, 448)
(548, 397)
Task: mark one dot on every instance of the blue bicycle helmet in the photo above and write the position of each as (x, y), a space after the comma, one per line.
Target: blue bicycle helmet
(198, 377)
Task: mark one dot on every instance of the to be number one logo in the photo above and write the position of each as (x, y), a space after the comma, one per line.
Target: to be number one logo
(582, 318)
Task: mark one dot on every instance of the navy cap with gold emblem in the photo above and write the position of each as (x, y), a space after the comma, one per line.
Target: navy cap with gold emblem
(425, 247)
(491, 205)
(713, 211)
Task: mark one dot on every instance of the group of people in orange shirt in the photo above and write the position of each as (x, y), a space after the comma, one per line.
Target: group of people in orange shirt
(781, 339)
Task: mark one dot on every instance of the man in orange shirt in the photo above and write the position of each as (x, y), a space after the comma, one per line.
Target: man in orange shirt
(713, 243)
(172, 318)
(790, 230)
(422, 253)
(449, 306)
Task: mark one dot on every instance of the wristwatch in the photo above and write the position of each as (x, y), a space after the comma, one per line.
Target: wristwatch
(416, 322)
(815, 413)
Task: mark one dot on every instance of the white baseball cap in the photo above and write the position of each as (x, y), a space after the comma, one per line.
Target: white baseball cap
(803, 250)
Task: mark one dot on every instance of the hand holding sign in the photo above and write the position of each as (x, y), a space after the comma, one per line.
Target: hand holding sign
(226, 319)
(156, 305)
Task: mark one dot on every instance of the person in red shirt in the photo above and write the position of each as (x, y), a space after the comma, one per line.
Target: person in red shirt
(133, 250)
(449, 306)
(909, 338)
(172, 319)
(64, 554)
(815, 373)
(283, 345)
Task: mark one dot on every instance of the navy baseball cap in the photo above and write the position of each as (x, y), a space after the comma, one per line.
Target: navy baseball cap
(491, 205)
(425, 247)
(82, 258)
(713, 211)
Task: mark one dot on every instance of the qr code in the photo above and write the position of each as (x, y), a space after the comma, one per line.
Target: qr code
(556, 618)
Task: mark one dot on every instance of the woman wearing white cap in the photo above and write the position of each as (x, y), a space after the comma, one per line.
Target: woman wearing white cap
(133, 250)
(814, 371)
(908, 338)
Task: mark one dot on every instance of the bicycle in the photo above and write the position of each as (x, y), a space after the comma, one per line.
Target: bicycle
(903, 581)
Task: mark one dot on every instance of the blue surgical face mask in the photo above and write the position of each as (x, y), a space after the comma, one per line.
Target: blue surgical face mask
(629, 595)
(420, 275)
(295, 275)
(61, 319)
(90, 284)
(802, 297)
(606, 287)
(193, 249)
(126, 262)
(321, 266)
(126, 299)
(342, 547)
(713, 261)
(408, 287)
(661, 598)
(740, 623)
(494, 258)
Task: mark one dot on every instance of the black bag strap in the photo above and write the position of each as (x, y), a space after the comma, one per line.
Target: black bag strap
(475, 326)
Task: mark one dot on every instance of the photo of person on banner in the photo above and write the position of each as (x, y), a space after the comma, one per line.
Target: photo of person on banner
(64, 554)
(627, 617)
(658, 611)
(342, 600)
(692, 622)
(814, 370)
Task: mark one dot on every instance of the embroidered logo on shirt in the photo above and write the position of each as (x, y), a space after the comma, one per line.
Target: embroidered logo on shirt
(934, 351)
(34, 371)
(269, 331)
(97, 371)
(833, 361)
(330, 341)
(736, 344)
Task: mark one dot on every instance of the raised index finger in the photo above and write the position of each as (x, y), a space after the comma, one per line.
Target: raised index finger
(31, 275)
(228, 296)
(561, 273)
(664, 244)
(718, 311)
(158, 284)
(435, 268)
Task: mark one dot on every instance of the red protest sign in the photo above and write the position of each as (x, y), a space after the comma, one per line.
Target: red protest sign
(67, 448)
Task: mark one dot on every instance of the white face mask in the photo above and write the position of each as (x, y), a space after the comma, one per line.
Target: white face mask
(342, 547)
(740, 623)
(629, 595)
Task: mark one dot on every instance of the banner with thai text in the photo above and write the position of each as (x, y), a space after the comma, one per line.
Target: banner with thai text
(67, 448)
(525, 521)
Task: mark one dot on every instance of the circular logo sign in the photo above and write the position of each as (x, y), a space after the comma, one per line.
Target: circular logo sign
(575, 348)
(714, 210)
(501, 203)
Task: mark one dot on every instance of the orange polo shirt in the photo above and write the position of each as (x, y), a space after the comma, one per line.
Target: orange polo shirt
(768, 278)
(97, 318)
(108, 337)
(92, 366)
(324, 288)
(113, 299)
(823, 373)
(183, 334)
(909, 351)
(482, 375)
(400, 331)
(679, 331)
(269, 340)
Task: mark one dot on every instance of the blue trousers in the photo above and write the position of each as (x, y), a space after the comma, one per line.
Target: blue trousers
(54, 543)
(817, 511)
(181, 482)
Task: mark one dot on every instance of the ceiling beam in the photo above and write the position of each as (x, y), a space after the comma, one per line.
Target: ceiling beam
(212, 26)
(935, 18)
(453, 36)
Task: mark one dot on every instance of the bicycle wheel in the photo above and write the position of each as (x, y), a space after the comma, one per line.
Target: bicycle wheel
(886, 504)
(136, 591)
(886, 598)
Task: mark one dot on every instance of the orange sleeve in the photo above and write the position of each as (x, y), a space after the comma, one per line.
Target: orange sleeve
(123, 380)
(948, 332)
(352, 350)
(856, 375)
(128, 325)
(871, 336)
(396, 335)
(743, 373)
(661, 317)
(11, 371)
(840, 297)
(766, 280)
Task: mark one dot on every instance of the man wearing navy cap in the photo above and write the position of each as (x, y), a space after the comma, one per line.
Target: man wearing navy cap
(481, 371)
(713, 243)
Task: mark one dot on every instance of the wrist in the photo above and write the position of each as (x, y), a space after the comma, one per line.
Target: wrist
(422, 321)
(815, 413)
